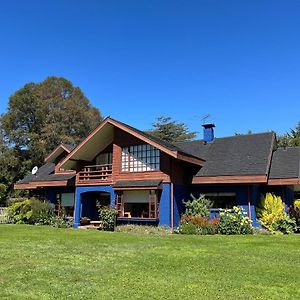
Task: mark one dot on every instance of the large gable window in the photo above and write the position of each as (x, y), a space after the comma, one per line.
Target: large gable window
(140, 158)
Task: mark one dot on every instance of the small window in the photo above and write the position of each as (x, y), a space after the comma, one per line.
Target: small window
(222, 200)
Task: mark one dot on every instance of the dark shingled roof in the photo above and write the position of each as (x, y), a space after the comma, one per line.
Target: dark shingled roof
(285, 163)
(137, 183)
(237, 155)
(46, 173)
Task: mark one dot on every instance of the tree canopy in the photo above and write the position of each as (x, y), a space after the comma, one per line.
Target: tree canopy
(41, 116)
(170, 130)
(290, 139)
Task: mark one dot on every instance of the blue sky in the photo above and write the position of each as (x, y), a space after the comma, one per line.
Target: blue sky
(238, 61)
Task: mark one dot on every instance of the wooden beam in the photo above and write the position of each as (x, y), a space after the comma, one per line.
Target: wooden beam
(284, 181)
(34, 185)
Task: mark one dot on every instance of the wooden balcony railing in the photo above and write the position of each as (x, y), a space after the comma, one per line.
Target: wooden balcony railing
(94, 174)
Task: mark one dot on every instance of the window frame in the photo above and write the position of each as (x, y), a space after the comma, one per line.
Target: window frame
(140, 158)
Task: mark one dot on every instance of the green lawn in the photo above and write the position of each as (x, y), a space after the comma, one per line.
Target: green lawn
(48, 263)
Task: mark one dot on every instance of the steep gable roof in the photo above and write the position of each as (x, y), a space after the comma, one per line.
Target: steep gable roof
(285, 163)
(58, 151)
(241, 155)
(108, 123)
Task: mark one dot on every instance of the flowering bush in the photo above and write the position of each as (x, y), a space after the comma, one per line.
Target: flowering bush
(271, 214)
(190, 224)
(235, 221)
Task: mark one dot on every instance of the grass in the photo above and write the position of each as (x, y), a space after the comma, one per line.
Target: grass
(46, 263)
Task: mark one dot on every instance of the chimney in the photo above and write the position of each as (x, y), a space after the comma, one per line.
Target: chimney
(208, 132)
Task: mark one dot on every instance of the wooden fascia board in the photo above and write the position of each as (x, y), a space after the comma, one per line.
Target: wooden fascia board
(283, 181)
(57, 148)
(229, 179)
(34, 185)
(24, 186)
(190, 159)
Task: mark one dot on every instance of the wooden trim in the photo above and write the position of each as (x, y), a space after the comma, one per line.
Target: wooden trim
(284, 181)
(137, 188)
(24, 186)
(59, 146)
(189, 159)
(230, 179)
(94, 182)
(34, 185)
(67, 172)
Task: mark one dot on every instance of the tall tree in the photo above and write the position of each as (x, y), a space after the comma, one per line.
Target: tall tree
(171, 131)
(290, 139)
(42, 115)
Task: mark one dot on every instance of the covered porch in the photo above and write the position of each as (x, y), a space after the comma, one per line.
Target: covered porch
(138, 201)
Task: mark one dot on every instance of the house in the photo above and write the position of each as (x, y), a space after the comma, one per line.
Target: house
(147, 179)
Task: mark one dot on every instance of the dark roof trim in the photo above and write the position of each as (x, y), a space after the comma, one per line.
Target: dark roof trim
(137, 184)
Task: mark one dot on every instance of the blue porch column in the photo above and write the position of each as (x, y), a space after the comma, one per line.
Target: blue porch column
(181, 193)
(77, 208)
(165, 206)
(85, 189)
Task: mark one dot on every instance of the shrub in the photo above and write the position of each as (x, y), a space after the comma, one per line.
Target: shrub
(188, 229)
(60, 222)
(294, 212)
(30, 211)
(144, 230)
(235, 222)
(3, 215)
(198, 207)
(285, 225)
(3, 190)
(203, 225)
(272, 215)
(270, 210)
(107, 216)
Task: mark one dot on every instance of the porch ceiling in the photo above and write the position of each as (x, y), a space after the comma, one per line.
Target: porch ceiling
(93, 144)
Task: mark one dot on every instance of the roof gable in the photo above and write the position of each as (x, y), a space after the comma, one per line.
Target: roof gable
(103, 135)
(58, 151)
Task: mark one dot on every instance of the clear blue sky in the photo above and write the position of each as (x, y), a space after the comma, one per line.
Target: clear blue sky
(238, 61)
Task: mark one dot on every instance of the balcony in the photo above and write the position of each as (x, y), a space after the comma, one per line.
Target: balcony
(94, 174)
